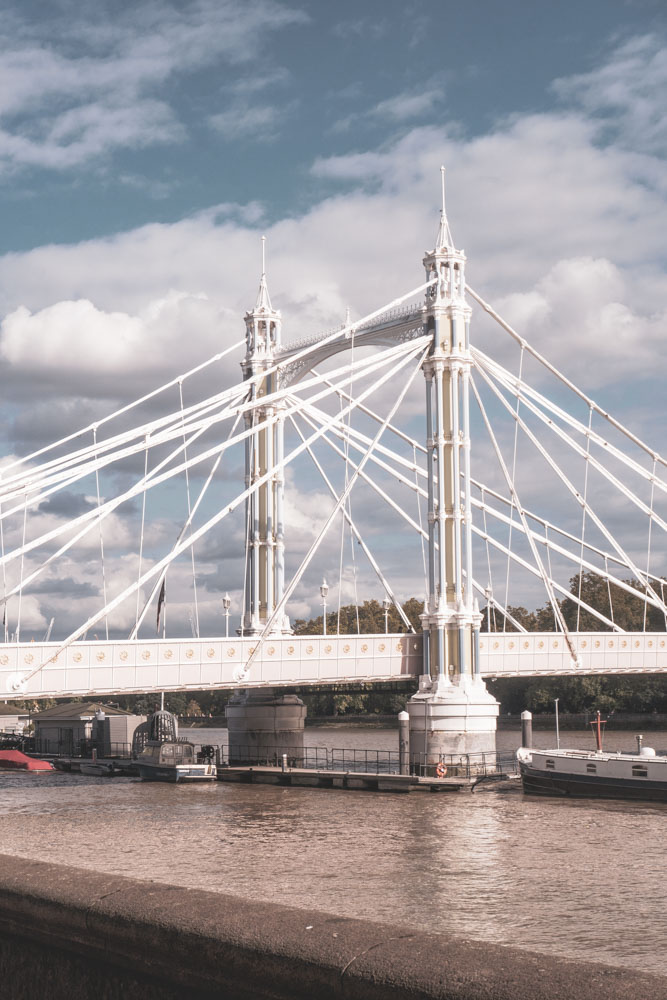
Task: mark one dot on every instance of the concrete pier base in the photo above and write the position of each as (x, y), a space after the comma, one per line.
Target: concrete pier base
(451, 719)
(262, 724)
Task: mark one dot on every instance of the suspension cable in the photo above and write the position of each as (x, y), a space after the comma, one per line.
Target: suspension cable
(5, 625)
(560, 550)
(570, 487)
(514, 450)
(611, 603)
(187, 526)
(99, 522)
(404, 353)
(562, 378)
(489, 598)
(419, 516)
(343, 497)
(584, 506)
(141, 537)
(536, 556)
(355, 532)
(187, 490)
(551, 575)
(18, 617)
(648, 541)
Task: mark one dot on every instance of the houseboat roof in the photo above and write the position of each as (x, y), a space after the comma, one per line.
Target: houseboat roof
(77, 710)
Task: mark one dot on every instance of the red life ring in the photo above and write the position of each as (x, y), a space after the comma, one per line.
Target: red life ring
(441, 770)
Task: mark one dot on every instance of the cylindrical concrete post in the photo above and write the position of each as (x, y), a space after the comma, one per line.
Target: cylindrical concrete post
(404, 742)
(263, 726)
(526, 729)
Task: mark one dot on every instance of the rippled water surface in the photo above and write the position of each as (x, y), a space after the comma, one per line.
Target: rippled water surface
(574, 877)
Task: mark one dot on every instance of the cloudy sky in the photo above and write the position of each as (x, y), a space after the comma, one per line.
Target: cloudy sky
(146, 147)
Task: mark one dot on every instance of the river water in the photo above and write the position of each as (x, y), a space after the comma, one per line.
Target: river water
(578, 878)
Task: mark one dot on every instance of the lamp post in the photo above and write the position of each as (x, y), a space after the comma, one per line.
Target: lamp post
(488, 593)
(324, 590)
(226, 603)
(386, 604)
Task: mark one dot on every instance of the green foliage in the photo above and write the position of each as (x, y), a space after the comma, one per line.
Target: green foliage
(626, 610)
(364, 619)
(176, 702)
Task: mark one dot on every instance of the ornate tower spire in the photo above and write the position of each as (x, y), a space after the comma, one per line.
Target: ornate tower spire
(262, 323)
(444, 237)
(263, 300)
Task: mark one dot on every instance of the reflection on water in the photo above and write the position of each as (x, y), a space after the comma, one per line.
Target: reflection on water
(578, 878)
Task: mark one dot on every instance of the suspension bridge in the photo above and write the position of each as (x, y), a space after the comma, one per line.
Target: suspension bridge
(118, 517)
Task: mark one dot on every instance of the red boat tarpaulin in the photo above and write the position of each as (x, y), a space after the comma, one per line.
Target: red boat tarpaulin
(14, 760)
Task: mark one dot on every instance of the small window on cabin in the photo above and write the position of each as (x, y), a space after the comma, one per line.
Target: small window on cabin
(591, 768)
(550, 764)
(639, 771)
(167, 752)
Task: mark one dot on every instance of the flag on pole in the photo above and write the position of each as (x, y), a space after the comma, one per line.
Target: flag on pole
(160, 602)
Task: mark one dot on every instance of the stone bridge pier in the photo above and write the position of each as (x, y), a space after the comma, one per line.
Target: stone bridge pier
(262, 725)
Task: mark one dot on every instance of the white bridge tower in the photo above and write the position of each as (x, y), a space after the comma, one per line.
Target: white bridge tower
(265, 549)
(452, 712)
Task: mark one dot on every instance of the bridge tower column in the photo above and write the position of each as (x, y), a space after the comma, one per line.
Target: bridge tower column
(264, 449)
(262, 723)
(452, 713)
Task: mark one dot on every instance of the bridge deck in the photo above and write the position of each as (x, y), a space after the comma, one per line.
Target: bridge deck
(41, 670)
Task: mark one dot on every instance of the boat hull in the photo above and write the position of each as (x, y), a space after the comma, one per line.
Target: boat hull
(536, 781)
(178, 773)
(99, 770)
(15, 760)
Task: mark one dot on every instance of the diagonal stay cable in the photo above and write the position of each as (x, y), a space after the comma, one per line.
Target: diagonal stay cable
(191, 513)
(341, 500)
(550, 544)
(536, 556)
(535, 572)
(406, 352)
(128, 407)
(563, 378)
(364, 368)
(583, 453)
(569, 486)
(357, 534)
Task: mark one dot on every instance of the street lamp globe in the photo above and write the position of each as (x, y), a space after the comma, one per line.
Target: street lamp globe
(324, 590)
(386, 604)
(226, 603)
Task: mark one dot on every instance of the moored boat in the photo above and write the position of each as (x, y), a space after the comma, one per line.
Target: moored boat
(594, 773)
(99, 769)
(173, 760)
(16, 760)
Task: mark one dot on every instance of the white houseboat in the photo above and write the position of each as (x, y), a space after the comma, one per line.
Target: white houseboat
(594, 773)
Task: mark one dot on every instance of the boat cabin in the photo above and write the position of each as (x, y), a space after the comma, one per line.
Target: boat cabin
(167, 753)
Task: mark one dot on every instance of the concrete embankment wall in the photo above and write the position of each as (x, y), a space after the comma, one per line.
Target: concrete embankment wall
(70, 934)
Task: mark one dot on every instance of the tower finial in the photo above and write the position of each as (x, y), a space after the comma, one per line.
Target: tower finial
(444, 237)
(263, 300)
